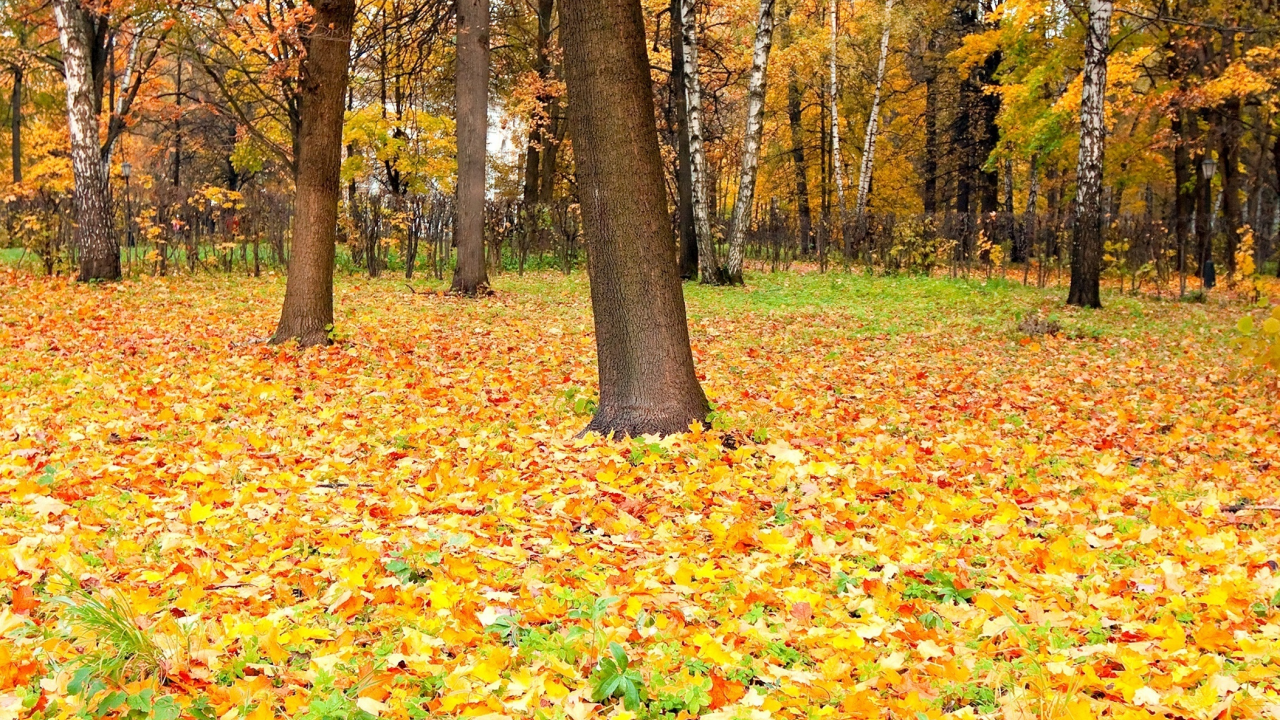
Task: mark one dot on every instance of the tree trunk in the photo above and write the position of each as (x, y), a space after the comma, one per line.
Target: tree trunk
(989, 136)
(95, 235)
(1184, 197)
(869, 140)
(647, 378)
(1086, 257)
(15, 124)
(804, 216)
(539, 124)
(931, 143)
(1232, 217)
(833, 91)
(470, 278)
(684, 179)
(751, 142)
(307, 315)
(1029, 227)
(709, 269)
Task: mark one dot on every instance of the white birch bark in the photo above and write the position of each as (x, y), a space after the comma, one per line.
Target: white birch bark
(756, 87)
(95, 237)
(1086, 257)
(708, 266)
(873, 122)
(835, 113)
(130, 67)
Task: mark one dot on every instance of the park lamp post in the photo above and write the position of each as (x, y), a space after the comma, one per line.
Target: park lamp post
(1208, 274)
(126, 170)
(1208, 167)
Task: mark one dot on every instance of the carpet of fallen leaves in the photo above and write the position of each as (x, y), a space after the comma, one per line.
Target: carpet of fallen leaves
(904, 508)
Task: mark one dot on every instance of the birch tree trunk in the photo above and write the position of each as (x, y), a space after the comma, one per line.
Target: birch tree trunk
(1086, 257)
(873, 122)
(708, 266)
(95, 237)
(836, 166)
(751, 142)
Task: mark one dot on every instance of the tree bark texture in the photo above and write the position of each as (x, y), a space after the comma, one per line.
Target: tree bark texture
(647, 378)
(1184, 202)
(873, 122)
(1232, 213)
(472, 99)
(1086, 257)
(804, 216)
(709, 270)
(684, 178)
(307, 315)
(95, 234)
(751, 142)
(837, 168)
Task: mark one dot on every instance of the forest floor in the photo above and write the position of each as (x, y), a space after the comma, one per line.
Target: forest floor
(905, 507)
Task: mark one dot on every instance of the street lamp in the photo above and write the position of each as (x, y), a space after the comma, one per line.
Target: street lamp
(1208, 167)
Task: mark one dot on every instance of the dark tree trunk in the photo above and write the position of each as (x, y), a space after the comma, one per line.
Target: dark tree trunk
(687, 238)
(931, 144)
(803, 213)
(470, 278)
(988, 136)
(1232, 216)
(1086, 255)
(307, 315)
(962, 146)
(647, 378)
(15, 124)
(1184, 199)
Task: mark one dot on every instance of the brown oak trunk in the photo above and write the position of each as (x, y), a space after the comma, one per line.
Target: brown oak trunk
(647, 378)
(307, 315)
(470, 278)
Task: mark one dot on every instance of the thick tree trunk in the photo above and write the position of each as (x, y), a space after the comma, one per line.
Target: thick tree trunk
(751, 142)
(709, 269)
(647, 378)
(15, 124)
(307, 315)
(470, 278)
(1086, 256)
(684, 175)
(804, 216)
(988, 137)
(95, 235)
(873, 122)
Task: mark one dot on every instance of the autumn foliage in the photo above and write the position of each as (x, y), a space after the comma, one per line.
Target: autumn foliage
(922, 513)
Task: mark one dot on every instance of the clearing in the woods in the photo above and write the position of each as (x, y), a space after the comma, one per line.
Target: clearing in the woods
(904, 506)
